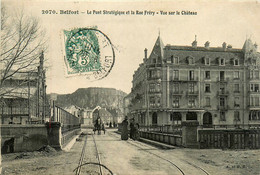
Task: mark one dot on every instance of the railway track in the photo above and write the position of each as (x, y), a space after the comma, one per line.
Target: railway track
(83, 162)
(137, 144)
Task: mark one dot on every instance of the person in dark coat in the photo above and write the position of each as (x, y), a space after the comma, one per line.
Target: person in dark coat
(132, 128)
(124, 132)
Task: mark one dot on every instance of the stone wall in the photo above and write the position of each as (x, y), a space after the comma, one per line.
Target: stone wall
(20, 138)
(17, 138)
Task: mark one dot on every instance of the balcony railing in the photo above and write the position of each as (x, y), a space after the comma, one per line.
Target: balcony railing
(177, 93)
(185, 79)
(231, 126)
(219, 107)
(193, 93)
(254, 92)
(219, 79)
(222, 93)
(154, 78)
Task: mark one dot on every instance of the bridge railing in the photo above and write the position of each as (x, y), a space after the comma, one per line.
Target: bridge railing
(230, 126)
(167, 129)
(67, 120)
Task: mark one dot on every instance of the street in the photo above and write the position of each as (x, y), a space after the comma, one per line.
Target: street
(125, 158)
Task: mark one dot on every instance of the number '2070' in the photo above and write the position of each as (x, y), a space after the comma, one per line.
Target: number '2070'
(49, 12)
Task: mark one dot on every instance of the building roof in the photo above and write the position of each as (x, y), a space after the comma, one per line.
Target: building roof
(157, 49)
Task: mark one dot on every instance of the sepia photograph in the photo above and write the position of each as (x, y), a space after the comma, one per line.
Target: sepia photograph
(133, 87)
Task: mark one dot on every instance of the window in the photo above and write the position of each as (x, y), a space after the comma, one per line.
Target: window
(191, 75)
(152, 87)
(154, 60)
(159, 102)
(251, 101)
(152, 101)
(256, 74)
(191, 87)
(176, 87)
(236, 102)
(236, 74)
(256, 101)
(222, 75)
(251, 74)
(191, 60)
(176, 60)
(207, 101)
(222, 116)
(236, 116)
(236, 62)
(191, 102)
(176, 74)
(175, 103)
(207, 74)
(222, 62)
(254, 115)
(207, 88)
(251, 87)
(236, 87)
(207, 61)
(256, 88)
(222, 102)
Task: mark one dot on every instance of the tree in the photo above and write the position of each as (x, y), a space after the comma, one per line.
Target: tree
(22, 42)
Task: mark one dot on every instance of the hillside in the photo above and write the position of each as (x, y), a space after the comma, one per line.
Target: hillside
(89, 98)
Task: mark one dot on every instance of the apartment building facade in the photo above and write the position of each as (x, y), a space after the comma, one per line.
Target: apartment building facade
(213, 85)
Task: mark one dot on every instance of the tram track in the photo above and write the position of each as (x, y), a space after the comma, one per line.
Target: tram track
(160, 157)
(83, 162)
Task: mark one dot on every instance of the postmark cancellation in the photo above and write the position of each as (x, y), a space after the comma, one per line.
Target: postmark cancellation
(87, 52)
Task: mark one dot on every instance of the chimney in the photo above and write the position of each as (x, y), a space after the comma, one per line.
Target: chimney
(194, 43)
(224, 45)
(207, 45)
(145, 53)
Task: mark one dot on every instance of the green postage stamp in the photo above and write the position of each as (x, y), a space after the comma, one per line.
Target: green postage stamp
(89, 52)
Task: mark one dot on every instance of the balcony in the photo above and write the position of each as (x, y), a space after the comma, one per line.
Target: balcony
(183, 79)
(154, 91)
(254, 92)
(194, 93)
(225, 108)
(222, 93)
(254, 107)
(177, 93)
(154, 78)
(222, 79)
(193, 79)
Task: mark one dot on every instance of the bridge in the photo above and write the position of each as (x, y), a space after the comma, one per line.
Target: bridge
(60, 128)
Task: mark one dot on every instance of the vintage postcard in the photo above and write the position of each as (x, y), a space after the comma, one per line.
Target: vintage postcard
(130, 88)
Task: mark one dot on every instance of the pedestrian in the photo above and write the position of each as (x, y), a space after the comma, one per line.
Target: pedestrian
(124, 131)
(132, 129)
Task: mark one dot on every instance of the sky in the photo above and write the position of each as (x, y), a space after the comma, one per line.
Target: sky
(216, 21)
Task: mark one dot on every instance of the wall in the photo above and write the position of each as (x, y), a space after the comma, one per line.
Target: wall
(23, 137)
(20, 138)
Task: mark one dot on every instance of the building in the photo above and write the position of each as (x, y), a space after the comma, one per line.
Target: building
(23, 98)
(214, 85)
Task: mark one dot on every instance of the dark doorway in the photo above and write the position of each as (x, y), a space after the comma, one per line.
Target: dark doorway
(207, 119)
(191, 116)
(154, 118)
